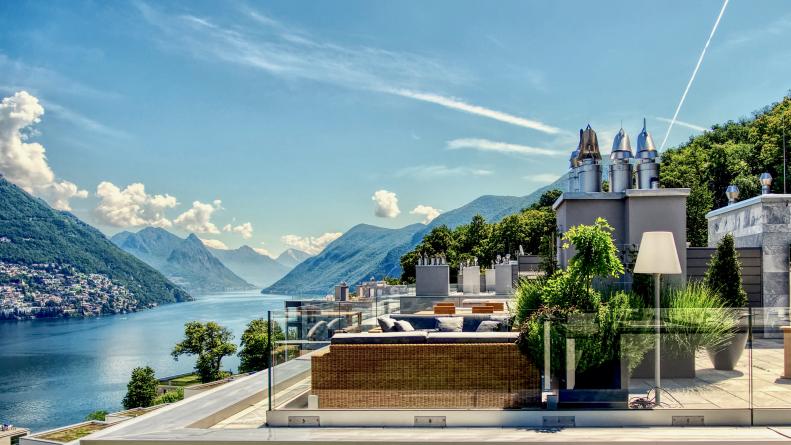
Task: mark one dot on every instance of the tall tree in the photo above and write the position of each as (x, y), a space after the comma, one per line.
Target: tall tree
(256, 352)
(141, 389)
(210, 342)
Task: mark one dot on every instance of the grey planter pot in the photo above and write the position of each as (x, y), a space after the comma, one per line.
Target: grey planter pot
(726, 358)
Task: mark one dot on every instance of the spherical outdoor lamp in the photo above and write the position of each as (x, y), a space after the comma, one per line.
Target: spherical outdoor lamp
(766, 183)
(657, 256)
(732, 193)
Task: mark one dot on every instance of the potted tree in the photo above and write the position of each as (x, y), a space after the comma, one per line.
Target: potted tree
(725, 278)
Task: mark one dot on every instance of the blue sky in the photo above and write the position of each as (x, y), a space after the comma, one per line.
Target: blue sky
(291, 116)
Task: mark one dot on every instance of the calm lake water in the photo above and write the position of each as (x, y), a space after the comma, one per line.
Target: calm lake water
(55, 372)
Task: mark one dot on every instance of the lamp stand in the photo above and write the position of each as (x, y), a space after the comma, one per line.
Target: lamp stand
(657, 321)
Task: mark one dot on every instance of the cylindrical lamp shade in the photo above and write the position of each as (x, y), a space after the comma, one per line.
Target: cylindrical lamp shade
(657, 254)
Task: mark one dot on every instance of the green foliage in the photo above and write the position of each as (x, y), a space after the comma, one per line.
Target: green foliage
(695, 317)
(595, 253)
(141, 389)
(169, 397)
(97, 415)
(533, 228)
(210, 342)
(40, 234)
(528, 298)
(731, 153)
(392, 280)
(724, 274)
(256, 353)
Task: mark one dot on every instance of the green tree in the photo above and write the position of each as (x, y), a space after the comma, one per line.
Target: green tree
(724, 274)
(546, 200)
(255, 353)
(141, 389)
(210, 342)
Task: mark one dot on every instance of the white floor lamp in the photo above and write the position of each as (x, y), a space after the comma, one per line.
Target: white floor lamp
(657, 256)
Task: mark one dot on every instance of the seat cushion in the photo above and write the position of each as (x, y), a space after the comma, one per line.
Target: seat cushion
(450, 324)
(472, 337)
(403, 326)
(414, 337)
(386, 323)
(490, 326)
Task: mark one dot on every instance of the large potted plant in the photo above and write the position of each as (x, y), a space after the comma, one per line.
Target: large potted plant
(725, 278)
(575, 309)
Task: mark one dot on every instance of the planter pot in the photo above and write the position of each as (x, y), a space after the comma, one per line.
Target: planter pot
(726, 358)
(675, 364)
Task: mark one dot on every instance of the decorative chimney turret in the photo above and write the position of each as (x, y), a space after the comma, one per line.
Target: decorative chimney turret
(574, 185)
(589, 171)
(647, 168)
(620, 166)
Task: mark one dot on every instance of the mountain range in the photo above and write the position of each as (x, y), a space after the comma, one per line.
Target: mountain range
(365, 251)
(34, 235)
(200, 269)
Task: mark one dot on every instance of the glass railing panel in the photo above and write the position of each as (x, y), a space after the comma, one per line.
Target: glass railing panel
(771, 358)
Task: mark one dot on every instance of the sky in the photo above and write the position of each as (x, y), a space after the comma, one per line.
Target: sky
(283, 124)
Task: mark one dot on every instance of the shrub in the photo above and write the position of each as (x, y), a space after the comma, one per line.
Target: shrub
(724, 274)
(169, 397)
(527, 296)
(696, 317)
(141, 389)
(97, 415)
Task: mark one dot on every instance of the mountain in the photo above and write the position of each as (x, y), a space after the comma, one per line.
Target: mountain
(34, 236)
(352, 257)
(366, 250)
(187, 262)
(292, 257)
(260, 270)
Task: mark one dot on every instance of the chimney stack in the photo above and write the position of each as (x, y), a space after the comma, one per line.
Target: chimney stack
(589, 171)
(620, 168)
(647, 168)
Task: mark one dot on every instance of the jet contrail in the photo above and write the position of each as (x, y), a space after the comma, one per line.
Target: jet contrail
(694, 73)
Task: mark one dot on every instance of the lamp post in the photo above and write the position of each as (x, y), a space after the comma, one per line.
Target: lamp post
(657, 256)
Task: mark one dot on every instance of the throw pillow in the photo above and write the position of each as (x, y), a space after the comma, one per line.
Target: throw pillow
(403, 326)
(489, 326)
(450, 324)
(386, 323)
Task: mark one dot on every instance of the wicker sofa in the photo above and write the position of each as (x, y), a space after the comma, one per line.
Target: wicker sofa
(414, 370)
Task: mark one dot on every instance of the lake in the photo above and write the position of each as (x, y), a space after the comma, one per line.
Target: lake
(55, 372)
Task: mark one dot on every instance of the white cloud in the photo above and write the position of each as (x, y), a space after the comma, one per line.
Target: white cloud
(310, 244)
(545, 178)
(500, 147)
(457, 104)
(246, 229)
(435, 171)
(682, 124)
(214, 244)
(427, 212)
(25, 163)
(263, 251)
(198, 218)
(385, 204)
(132, 206)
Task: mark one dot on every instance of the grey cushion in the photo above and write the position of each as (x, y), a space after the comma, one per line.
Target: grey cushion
(450, 324)
(386, 323)
(489, 326)
(472, 337)
(403, 326)
(318, 332)
(471, 321)
(383, 338)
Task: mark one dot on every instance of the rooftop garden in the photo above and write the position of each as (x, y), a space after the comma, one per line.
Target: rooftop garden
(73, 433)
